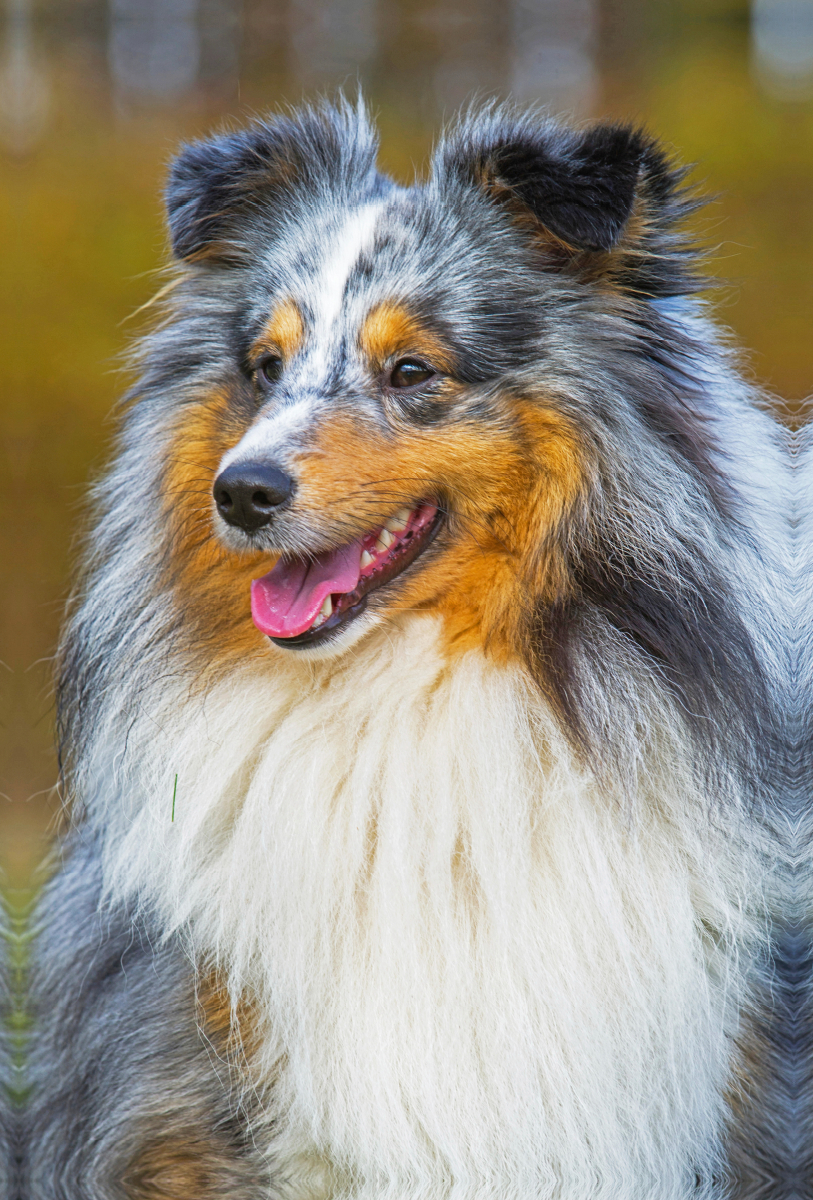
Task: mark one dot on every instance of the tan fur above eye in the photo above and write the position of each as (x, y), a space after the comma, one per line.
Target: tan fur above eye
(391, 331)
(284, 331)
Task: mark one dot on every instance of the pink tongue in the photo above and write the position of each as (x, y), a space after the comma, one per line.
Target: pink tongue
(286, 601)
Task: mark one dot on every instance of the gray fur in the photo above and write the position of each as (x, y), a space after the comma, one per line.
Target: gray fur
(117, 1060)
(10, 1092)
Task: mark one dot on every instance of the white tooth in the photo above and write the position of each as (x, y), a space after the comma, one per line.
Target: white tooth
(327, 608)
(320, 620)
(399, 520)
(385, 540)
(366, 559)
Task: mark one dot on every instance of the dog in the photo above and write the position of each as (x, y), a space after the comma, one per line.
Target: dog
(422, 703)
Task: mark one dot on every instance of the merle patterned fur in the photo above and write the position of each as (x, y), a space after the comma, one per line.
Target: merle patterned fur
(633, 366)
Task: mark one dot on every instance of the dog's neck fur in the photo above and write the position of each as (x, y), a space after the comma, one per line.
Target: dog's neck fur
(438, 909)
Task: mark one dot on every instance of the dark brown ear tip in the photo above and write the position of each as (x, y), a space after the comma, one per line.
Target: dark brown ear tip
(615, 142)
(578, 184)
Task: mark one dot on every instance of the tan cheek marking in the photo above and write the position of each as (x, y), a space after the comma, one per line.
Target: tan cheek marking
(511, 497)
(533, 491)
(284, 331)
(352, 469)
(389, 330)
(211, 585)
(511, 494)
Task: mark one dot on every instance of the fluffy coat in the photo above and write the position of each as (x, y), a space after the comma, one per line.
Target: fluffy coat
(485, 880)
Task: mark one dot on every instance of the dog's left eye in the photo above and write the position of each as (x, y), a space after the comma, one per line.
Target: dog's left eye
(268, 369)
(409, 372)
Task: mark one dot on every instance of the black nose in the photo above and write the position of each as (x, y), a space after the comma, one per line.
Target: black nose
(248, 494)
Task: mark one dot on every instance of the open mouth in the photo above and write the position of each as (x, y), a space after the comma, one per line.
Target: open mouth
(305, 600)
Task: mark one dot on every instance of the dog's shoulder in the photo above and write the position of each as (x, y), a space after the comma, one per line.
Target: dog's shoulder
(127, 1073)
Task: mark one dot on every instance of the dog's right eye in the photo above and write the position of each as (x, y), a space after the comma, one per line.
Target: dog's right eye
(409, 373)
(268, 369)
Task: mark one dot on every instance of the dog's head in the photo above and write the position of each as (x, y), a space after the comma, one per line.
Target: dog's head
(383, 392)
(485, 397)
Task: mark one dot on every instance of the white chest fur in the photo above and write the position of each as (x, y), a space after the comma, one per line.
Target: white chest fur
(468, 952)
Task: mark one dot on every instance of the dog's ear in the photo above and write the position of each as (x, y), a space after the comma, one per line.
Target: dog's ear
(579, 185)
(603, 199)
(221, 190)
(210, 183)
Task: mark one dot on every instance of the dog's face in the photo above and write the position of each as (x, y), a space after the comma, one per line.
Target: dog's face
(386, 457)
(378, 440)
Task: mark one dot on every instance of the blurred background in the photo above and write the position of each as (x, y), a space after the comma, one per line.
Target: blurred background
(96, 94)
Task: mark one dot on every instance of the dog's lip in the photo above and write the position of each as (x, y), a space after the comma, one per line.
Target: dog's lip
(383, 564)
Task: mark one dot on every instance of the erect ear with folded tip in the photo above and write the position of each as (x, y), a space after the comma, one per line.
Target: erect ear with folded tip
(212, 182)
(600, 202)
(579, 185)
(222, 190)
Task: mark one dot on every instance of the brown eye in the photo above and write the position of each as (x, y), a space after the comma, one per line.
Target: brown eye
(409, 372)
(269, 369)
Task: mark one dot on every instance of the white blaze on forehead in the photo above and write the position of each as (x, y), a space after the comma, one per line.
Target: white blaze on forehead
(271, 435)
(347, 244)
